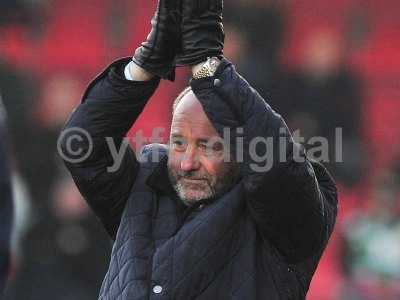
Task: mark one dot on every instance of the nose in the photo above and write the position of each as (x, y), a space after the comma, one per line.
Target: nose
(190, 160)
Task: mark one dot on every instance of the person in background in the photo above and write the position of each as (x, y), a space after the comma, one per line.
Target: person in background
(321, 95)
(261, 39)
(5, 202)
(371, 244)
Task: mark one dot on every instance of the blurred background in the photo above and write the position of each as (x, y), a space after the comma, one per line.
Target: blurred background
(321, 64)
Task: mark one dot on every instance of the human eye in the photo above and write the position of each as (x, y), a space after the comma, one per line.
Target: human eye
(203, 146)
(217, 146)
(178, 143)
(209, 147)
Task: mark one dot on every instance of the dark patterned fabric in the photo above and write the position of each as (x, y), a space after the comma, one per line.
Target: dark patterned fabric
(261, 240)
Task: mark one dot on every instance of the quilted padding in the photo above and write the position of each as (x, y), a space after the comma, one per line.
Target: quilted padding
(216, 254)
(260, 240)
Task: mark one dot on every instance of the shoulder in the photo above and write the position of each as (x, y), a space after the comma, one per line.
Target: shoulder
(326, 182)
(153, 160)
(151, 155)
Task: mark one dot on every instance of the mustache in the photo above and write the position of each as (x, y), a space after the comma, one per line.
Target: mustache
(192, 175)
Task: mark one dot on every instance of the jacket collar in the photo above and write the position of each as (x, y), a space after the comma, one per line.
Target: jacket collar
(159, 178)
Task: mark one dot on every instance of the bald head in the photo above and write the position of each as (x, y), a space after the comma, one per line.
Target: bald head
(188, 109)
(196, 166)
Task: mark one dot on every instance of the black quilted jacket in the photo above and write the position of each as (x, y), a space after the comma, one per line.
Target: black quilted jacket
(261, 240)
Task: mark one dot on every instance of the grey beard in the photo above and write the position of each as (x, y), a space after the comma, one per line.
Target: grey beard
(179, 189)
(216, 190)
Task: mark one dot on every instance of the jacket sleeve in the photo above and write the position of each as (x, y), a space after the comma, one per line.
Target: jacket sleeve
(109, 107)
(293, 204)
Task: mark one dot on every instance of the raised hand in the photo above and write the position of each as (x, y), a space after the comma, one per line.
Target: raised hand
(157, 54)
(202, 31)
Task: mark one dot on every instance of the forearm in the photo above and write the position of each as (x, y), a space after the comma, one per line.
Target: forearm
(111, 103)
(109, 107)
(282, 191)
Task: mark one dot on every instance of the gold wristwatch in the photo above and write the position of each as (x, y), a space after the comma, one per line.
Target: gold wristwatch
(208, 69)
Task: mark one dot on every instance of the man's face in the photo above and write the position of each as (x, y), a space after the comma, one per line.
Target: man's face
(196, 164)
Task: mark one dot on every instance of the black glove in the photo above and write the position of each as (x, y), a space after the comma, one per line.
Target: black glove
(202, 31)
(157, 54)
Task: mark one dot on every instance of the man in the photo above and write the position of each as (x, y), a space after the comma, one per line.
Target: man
(188, 221)
(5, 203)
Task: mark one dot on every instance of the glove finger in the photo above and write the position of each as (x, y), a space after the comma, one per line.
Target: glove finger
(216, 6)
(168, 15)
(190, 8)
(171, 5)
(203, 6)
(196, 8)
